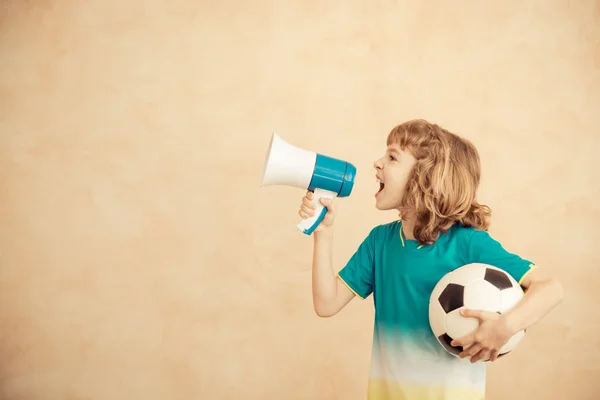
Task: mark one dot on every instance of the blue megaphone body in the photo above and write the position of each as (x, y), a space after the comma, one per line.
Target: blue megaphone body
(323, 175)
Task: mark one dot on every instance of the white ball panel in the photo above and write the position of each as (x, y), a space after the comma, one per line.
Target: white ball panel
(458, 326)
(468, 273)
(509, 298)
(437, 317)
(482, 295)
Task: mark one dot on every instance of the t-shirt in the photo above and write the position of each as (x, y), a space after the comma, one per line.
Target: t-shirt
(407, 361)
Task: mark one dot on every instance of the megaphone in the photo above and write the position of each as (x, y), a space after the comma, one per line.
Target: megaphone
(326, 177)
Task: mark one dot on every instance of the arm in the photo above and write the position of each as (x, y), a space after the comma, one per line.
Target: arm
(330, 294)
(543, 293)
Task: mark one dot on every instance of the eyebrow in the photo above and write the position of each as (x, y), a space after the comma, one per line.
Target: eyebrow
(392, 150)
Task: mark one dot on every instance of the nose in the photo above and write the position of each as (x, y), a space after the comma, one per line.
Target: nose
(377, 164)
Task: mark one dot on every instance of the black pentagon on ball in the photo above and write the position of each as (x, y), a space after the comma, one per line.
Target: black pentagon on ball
(445, 340)
(497, 278)
(451, 297)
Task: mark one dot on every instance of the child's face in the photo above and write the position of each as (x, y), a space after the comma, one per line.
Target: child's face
(392, 171)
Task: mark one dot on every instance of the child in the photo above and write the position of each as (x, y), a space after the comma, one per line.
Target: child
(431, 177)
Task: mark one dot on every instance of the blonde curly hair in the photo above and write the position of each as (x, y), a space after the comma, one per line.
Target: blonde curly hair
(442, 187)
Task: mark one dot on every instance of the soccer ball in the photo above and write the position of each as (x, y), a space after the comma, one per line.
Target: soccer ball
(477, 287)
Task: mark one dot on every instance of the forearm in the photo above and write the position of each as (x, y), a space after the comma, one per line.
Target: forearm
(324, 282)
(540, 299)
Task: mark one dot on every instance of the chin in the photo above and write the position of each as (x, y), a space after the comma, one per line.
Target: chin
(382, 205)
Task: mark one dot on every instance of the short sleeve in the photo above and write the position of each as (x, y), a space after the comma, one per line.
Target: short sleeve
(357, 274)
(485, 249)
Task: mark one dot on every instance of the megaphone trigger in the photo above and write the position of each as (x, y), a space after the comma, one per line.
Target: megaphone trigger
(308, 225)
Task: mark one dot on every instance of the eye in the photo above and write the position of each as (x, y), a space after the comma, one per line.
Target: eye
(392, 158)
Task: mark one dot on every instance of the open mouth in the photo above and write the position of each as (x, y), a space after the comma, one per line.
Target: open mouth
(381, 186)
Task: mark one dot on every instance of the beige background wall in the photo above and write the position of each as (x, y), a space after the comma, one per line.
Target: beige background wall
(140, 259)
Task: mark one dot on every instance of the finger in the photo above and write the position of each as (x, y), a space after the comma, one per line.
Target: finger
(463, 341)
(309, 195)
(481, 315)
(494, 355)
(307, 209)
(327, 203)
(308, 202)
(480, 355)
(471, 351)
(304, 214)
(468, 313)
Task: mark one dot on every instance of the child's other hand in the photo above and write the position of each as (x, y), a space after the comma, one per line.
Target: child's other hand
(307, 209)
(485, 342)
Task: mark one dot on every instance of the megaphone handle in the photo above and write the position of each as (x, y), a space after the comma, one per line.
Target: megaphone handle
(308, 225)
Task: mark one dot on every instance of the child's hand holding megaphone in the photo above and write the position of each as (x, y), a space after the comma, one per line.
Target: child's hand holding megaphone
(308, 209)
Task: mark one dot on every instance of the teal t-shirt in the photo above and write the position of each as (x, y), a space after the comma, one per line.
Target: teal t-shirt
(407, 361)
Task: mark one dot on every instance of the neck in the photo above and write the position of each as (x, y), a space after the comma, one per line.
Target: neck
(408, 227)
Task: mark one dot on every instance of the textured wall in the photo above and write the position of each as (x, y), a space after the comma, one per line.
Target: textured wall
(139, 258)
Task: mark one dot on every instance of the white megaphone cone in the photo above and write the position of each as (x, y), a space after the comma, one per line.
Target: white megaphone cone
(288, 165)
(328, 177)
